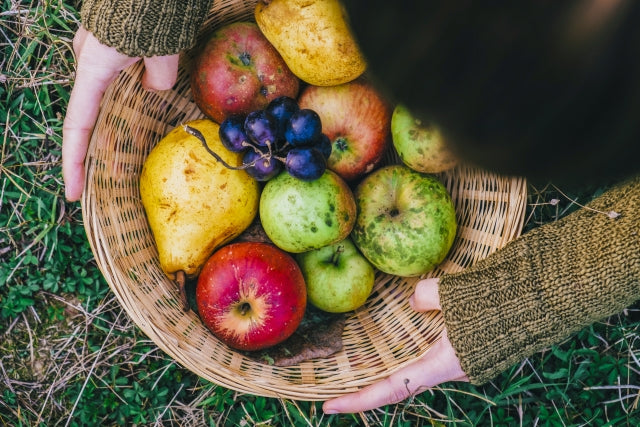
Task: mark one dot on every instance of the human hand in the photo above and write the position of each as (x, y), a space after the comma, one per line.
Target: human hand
(438, 365)
(98, 66)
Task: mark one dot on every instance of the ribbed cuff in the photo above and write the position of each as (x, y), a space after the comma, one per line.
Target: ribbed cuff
(544, 286)
(145, 27)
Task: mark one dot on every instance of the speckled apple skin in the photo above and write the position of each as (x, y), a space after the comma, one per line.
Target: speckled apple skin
(302, 215)
(406, 220)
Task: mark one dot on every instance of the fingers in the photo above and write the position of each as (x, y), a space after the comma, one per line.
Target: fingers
(98, 66)
(161, 72)
(425, 296)
(78, 124)
(392, 389)
(438, 365)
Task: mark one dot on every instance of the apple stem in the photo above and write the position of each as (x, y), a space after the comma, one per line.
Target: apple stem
(245, 58)
(181, 280)
(336, 254)
(341, 143)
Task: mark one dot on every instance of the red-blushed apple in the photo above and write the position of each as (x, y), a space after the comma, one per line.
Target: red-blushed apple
(406, 220)
(251, 295)
(357, 120)
(339, 279)
(239, 71)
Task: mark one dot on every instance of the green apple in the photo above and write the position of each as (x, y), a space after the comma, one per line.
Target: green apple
(302, 215)
(406, 220)
(422, 147)
(338, 277)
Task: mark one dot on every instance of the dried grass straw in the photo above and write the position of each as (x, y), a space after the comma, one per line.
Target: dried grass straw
(379, 338)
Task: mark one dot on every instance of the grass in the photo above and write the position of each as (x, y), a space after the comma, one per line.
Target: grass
(70, 356)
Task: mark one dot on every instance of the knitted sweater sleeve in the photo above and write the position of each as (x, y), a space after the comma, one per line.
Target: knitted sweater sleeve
(546, 285)
(145, 27)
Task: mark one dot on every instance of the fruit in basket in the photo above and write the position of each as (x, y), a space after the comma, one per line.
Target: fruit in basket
(302, 215)
(357, 120)
(279, 136)
(261, 128)
(421, 146)
(314, 37)
(193, 203)
(406, 220)
(303, 127)
(232, 134)
(261, 166)
(282, 108)
(338, 277)
(324, 146)
(238, 71)
(251, 295)
(305, 163)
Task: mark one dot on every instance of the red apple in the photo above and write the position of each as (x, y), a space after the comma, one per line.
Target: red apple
(238, 71)
(357, 120)
(251, 295)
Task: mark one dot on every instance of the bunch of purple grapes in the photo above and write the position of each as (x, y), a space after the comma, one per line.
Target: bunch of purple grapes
(281, 136)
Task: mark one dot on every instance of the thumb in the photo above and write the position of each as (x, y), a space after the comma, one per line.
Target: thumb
(438, 365)
(161, 72)
(98, 66)
(426, 297)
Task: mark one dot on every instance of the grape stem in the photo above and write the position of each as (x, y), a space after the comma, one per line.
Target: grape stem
(270, 155)
(195, 132)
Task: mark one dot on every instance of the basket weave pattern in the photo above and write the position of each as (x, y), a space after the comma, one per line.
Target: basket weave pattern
(379, 338)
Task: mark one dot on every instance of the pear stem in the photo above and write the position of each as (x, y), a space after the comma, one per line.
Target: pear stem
(181, 280)
(336, 255)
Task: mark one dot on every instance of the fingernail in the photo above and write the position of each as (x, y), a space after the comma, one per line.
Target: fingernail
(329, 411)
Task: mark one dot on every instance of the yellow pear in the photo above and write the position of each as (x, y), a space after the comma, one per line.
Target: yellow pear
(314, 39)
(194, 203)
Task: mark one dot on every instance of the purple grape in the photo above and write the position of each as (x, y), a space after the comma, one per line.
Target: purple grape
(260, 126)
(282, 108)
(324, 145)
(232, 134)
(303, 127)
(305, 163)
(263, 167)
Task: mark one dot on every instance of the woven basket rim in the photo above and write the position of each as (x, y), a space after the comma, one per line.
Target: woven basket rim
(380, 338)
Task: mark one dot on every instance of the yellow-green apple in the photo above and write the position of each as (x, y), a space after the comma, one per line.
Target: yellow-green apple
(357, 120)
(421, 146)
(339, 279)
(251, 295)
(406, 220)
(238, 71)
(302, 215)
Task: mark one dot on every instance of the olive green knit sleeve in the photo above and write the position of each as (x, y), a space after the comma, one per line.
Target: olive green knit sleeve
(546, 285)
(145, 27)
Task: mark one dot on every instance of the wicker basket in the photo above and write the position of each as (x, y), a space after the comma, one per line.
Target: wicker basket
(379, 338)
